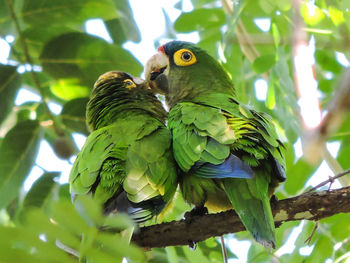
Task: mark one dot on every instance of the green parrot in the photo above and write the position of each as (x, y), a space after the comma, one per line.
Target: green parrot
(126, 162)
(230, 155)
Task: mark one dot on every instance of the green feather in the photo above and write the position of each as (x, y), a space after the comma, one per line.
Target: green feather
(251, 202)
(220, 151)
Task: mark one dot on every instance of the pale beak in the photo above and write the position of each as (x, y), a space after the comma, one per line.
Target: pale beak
(138, 80)
(156, 65)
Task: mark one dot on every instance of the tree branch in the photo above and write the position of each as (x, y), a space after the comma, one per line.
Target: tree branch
(34, 75)
(308, 206)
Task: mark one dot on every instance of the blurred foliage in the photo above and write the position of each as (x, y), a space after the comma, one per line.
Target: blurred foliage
(54, 57)
(65, 233)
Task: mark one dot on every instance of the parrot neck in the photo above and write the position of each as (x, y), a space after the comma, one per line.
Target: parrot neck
(187, 92)
(194, 83)
(103, 113)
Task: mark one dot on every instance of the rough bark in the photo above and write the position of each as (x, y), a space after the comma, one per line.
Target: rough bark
(308, 206)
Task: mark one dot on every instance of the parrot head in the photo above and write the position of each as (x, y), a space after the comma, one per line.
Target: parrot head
(182, 71)
(117, 94)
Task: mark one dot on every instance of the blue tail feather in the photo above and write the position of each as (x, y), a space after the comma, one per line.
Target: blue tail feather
(232, 167)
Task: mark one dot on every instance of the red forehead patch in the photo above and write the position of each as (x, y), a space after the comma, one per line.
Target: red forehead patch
(161, 49)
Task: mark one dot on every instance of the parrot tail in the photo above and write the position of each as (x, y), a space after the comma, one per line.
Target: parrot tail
(250, 200)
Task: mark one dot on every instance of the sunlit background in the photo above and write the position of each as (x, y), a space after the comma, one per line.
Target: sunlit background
(152, 24)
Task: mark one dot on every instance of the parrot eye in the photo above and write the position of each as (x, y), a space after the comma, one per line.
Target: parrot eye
(184, 57)
(129, 84)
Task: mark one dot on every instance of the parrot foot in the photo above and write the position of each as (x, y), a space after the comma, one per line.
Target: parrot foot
(197, 211)
(273, 200)
(192, 244)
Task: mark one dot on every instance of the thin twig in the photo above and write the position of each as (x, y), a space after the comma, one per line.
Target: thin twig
(67, 249)
(330, 180)
(29, 60)
(308, 240)
(339, 105)
(42, 168)
(223, 249)
(245, 41)
(334, 165)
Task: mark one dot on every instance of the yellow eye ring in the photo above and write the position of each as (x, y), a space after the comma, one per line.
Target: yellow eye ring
(129, 84)
(184, 57)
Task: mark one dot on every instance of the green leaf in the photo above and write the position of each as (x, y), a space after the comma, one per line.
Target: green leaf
(264, 63)
(211, 249)
(65, 226)
(336, 224)
(171, 253)
(258, 253)
(200, 19)
(5, 20)
(271, 99)
(119, 221)
(123, 28)
(89, 210)
(326, 59)
(63, 192)
(283, 232)
(209, 40)
(160, 255)
(38, 222)
(323, 249)
(109, 243)
(312, 17)
(253, 9)
(65, 12)
(326, 86)
(78, 55)
(284, 5)
(35, 39)
(10, 83)
(344, 152)
(69, 89)
(73, 115)
(68, 218)
(40, 191)
(286, 99)
(18, 244)
(336, 15)
(267, 5)
(294, 257)
(17, 155)
(195, 256)
(276, 34)
(299, 173)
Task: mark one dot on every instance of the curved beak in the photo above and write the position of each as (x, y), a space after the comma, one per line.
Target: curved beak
(156, 70)
(156, 65)
(138, 81)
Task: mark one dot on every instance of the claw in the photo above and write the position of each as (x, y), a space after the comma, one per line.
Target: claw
(197, 211)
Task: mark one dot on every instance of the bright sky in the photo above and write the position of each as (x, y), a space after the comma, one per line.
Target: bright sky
(152, 26)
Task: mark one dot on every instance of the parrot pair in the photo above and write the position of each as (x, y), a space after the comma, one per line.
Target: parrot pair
(228, 155)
